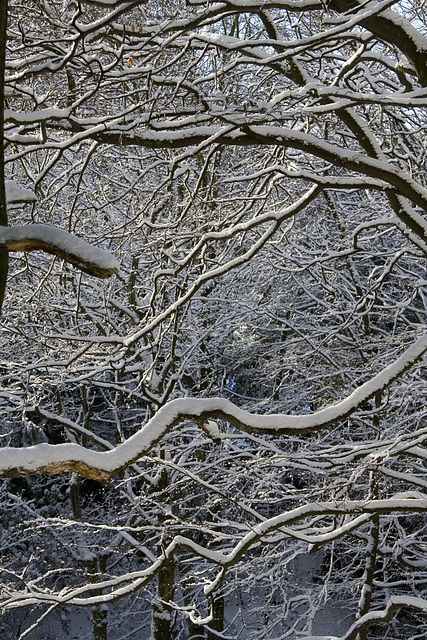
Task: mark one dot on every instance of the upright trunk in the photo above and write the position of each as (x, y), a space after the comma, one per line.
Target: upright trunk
(4, 256)
(94, 566)
(161, 625)
(217, 623)
(99, 622)
(161, 617)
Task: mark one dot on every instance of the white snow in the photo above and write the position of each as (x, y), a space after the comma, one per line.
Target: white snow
(212, 429)
(15, 193)
(50, 113)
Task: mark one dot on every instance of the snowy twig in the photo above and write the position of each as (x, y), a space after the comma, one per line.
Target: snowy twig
(122, 585)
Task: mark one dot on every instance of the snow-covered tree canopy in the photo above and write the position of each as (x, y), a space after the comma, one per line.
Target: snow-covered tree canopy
(250, 383)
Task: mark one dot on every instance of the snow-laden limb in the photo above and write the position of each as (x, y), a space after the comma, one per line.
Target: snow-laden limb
(320, 638)
(41, 237)
(53, 459)
(394, 604)
(269, 135)
(111, 589)
(219, 270)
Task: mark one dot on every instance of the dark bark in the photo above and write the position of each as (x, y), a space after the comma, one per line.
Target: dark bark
(400, 34)
(217, 623)
(4, 256)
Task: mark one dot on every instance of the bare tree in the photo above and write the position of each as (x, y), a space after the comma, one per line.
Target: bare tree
(249, 385)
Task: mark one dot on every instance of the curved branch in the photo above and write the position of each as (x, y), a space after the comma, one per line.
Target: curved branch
(269, 135)
(391, 27)
(40, 237)
(122, 585)
(101, 466)
(394, 604)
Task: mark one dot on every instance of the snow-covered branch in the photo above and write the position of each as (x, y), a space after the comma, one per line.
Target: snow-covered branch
(40, 237)
(394, 604)
(53, 459)
(120, 586)
(258, 171)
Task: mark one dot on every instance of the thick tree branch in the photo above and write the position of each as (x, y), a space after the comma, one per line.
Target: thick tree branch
(101, 466)
(40, 237)
(391, 27)
(394, 604)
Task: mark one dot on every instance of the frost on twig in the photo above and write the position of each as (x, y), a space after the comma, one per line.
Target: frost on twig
(41, 237)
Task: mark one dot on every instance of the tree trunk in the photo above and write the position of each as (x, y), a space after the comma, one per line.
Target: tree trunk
(161, 625)
(4, 256)
(161, 620)
(217, 623)
(99, 622)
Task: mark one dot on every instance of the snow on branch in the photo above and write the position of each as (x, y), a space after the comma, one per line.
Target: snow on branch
(119, 586)
(41, 237)
(102, 465)
(394, 604)
(16, 194)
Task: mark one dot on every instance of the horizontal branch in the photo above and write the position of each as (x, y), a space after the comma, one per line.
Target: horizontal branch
(40, 237)
(101, 466)
(250, 134)
(268, 135)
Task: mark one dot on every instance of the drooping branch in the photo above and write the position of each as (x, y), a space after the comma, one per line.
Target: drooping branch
(391, 27)
(101, 466)
(40, 237)
(268, 135)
